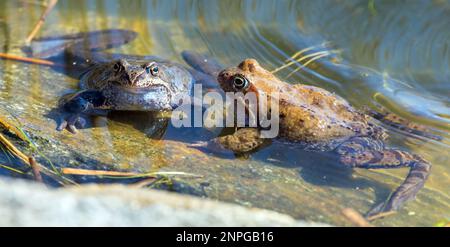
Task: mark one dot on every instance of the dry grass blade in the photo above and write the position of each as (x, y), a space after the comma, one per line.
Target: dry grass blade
(324, 45)
(13, 129)
(10, 147)
(307, 63)
(105, 173)
(41, 21)
(76, 171)
(355, 217)
(312, 57)
(299, 60)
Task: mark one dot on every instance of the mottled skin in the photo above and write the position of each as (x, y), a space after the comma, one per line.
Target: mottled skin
(115, 81)
(317, 120)
(126, 84)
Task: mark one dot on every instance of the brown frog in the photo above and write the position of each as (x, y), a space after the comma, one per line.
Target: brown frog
(318, 120)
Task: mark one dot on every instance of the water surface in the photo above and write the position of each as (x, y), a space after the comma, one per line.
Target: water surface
(393, 54)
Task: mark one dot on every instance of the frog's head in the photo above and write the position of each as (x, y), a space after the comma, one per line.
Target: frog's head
(243, 77)
(137, 76)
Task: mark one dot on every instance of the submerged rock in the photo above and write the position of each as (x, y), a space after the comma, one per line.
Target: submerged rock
(25, 203)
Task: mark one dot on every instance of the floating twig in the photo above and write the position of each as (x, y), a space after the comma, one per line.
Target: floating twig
(41, 21)
(112, 174)
(36, 170)
(355, 217)
(76, 171)
(29, 60)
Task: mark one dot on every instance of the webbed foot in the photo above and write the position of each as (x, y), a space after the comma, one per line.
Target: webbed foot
(74, 105)
(354, 155)
(71, 122)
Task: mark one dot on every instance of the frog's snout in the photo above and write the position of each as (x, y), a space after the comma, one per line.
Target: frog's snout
(224, 76)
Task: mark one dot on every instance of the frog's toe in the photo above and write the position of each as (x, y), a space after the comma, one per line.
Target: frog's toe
(71, 123)
(380, 211)
(80, 123)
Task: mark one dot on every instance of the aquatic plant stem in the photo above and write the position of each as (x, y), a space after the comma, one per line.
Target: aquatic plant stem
(11, 169)
(41, 21)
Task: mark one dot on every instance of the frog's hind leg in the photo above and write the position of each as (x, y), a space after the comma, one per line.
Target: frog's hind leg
(389, 158)
(400, 123)
(242, 141)
(46, 47)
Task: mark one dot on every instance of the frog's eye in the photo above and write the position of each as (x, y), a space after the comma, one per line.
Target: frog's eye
(240, 82)
(117, 66)
(152, 69)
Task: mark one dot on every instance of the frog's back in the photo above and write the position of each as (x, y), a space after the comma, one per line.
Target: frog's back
(307, 114)
(312, 114)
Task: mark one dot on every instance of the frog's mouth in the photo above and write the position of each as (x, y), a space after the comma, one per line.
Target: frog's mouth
(157, 88)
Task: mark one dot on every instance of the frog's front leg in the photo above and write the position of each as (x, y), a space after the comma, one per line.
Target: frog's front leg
(74, 105)
(355, 154)
(242, 141)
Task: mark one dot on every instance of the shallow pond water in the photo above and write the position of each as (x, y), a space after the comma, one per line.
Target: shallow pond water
(383, 53)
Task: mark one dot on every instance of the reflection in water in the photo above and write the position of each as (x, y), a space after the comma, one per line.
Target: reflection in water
(387, 56)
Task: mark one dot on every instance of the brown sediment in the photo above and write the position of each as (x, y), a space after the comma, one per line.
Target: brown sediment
(41, 21)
